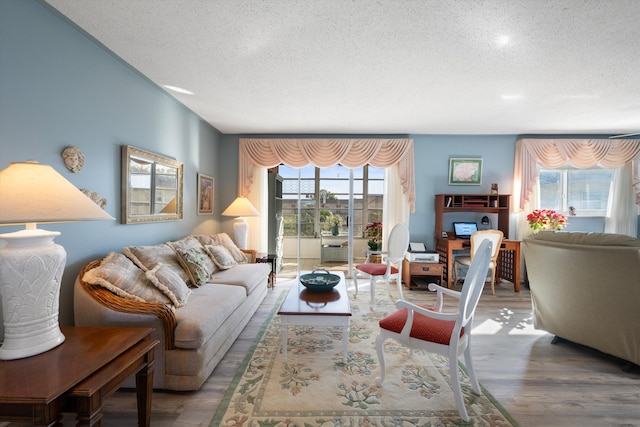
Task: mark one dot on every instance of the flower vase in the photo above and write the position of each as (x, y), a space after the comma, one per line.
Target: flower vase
(335, 230)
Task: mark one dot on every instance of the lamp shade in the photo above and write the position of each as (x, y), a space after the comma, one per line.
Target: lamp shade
(241, 207)
(31, 192)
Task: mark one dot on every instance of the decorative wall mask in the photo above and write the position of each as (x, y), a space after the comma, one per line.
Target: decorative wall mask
(97, 198)
(73, 159)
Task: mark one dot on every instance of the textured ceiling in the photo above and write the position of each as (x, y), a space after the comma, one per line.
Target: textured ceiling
(386, 66)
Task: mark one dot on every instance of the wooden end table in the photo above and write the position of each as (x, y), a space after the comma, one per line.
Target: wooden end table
(416, 269)
(77, 376)
(306, 308)
(269, 259)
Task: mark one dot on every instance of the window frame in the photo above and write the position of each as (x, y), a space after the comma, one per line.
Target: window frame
(362, 212)
(564, 196)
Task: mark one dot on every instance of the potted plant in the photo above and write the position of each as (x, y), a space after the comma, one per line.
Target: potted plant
(336, 222)
(373, 232)
(546, 219)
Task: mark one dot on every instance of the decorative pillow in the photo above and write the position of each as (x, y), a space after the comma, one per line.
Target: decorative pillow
(221, 256)
(147, 257)
(235, 252)
(191, 242)
(121, 276)
(170, 283)
(197, 263)
(207, 239)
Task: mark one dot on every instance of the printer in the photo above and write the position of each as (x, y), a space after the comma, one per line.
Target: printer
(417, 252)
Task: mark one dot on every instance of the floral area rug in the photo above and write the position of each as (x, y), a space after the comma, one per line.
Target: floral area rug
(317, 388)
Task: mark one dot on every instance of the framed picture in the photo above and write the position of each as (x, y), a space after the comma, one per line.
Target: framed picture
(205, 194)
(465, 171)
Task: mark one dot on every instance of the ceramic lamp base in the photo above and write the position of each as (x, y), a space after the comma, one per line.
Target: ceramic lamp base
(241, 232)
(31, 268)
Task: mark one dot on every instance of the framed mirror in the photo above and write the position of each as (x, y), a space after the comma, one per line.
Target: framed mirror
(151, 187)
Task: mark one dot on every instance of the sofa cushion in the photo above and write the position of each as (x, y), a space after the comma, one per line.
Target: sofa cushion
(235, 252)
(197, 263)
(170, 283)
(194, 259)
(207, 239)
(249, 276)
(208, 308)
(147, 257)
(221, 256)
(121, 276)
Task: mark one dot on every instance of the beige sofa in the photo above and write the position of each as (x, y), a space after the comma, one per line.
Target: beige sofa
(585, 287)
(197, 304)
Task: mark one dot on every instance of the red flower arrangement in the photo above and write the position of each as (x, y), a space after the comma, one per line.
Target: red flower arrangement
(546, 219)
(373, 232)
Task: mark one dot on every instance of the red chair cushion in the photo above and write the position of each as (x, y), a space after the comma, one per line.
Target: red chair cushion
(423, 328)
(375, 269)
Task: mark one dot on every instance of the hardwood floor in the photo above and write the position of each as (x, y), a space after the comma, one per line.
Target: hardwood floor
(539, 383)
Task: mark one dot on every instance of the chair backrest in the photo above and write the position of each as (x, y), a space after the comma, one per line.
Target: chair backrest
(474, 282)
(494, 236)
(398, 242)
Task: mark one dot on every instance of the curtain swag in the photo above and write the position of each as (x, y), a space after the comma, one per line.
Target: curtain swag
(579, 153)
(352, 153)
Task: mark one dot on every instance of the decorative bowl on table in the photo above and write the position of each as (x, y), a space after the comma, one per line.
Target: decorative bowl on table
(319, 280)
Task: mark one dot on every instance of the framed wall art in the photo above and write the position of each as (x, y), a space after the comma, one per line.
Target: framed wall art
(205, 194)
(465, 171)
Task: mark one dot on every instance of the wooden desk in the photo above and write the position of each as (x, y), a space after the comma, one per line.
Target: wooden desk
(508, 259)
(77, 375)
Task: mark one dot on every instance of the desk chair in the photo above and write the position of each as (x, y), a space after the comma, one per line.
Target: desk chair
(430, 329)
(397, 245)
(494, 236)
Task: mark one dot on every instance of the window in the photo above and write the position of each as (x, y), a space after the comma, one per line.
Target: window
(586, 190)
(324, 192)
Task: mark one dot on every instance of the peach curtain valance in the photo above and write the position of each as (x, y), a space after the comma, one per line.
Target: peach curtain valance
(554, 153)
(352, 153)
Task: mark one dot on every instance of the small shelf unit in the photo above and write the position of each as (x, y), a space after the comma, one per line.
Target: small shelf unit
(488, 203)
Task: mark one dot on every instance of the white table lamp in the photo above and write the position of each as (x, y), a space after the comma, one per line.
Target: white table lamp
(31, 264)
(241, 208)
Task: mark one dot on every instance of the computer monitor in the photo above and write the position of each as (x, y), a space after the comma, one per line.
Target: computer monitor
(464, 230)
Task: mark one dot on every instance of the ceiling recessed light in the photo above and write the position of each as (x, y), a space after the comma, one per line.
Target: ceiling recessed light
(510, 96)
(503, 41)
(178, 89)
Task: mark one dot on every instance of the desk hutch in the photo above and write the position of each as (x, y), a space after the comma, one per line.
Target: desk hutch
(500, 204)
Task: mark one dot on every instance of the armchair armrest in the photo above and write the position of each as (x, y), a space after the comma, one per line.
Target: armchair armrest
(116, 303)
(440, 292)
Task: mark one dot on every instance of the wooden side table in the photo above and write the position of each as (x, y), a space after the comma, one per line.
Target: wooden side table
(269, 259)
(411, 270)
(77, 375)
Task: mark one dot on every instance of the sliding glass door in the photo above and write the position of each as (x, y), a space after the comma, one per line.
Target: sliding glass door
(325, 211)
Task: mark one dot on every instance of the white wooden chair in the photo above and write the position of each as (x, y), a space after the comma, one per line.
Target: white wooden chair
(495, 236)
(391, 266)
(432, 330)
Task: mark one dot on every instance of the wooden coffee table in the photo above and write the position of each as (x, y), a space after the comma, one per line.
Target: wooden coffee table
(305, 308)
(77, 376)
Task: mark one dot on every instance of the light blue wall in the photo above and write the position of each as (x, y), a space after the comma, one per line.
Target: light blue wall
(60, 88)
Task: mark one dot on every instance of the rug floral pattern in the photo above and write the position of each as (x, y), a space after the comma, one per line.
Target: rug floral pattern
(316, 388)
